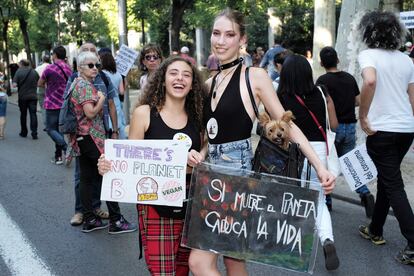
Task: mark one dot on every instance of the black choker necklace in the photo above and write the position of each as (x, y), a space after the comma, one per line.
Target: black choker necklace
(230, 64)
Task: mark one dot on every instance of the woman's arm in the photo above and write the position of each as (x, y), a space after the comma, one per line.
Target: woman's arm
(333, 120)
(121, 88)
(91, 110)
(263, 90)
(140, 120)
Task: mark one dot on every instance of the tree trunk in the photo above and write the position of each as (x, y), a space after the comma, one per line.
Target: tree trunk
(324, 30)
(348, 43)
(23, 28)
(6, 50)
(143, 31)
(78, 23)
(177, 13)
(122, 23)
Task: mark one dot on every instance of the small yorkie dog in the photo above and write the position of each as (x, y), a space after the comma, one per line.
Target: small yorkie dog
(277, 131)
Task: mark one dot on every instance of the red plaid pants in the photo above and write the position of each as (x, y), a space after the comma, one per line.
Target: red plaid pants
(161, 242)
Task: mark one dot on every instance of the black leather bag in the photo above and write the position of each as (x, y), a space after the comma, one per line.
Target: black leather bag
(272, 159)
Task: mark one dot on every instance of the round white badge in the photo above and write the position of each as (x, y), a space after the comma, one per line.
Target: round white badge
(212, 128)
(179, 136)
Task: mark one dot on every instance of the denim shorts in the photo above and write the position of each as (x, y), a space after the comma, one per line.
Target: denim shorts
(3, 106)
(236, 154)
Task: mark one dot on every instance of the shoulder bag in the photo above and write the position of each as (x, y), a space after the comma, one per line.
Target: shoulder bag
(272, 159)
(329, 137)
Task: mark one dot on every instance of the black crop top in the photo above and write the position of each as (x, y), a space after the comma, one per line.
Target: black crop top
(302, 117)
(230, 121)
(158, 129)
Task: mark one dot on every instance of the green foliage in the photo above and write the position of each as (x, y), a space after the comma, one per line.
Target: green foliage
(42, 26)
(297, 18)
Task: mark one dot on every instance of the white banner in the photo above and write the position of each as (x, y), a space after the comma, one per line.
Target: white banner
(408, 19)
(357, 167)
(125, 59)
(146, 172)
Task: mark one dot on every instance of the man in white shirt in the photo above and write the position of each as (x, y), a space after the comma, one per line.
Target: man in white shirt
(386, 116)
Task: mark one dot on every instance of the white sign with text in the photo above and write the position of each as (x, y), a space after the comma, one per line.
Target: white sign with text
(146, 172)
(125, 59)
(408, 19)
(357, 167)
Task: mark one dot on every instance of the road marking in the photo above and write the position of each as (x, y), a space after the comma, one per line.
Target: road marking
(16, 250)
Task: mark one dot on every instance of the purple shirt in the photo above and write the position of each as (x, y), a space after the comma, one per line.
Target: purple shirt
(55, 84)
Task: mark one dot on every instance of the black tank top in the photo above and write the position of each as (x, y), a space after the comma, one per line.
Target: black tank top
(158, 129)
(230, 121)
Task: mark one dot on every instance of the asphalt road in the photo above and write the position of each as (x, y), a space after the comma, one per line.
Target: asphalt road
(37, 201)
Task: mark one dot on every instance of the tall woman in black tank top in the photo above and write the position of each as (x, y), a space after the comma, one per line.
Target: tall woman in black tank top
(229, 116)
(171, 107)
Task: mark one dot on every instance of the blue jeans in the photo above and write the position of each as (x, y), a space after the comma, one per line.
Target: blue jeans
(344, 142)
(96, 202)
(237, 154)
(3, 106)
(52, 126)
(387, 150)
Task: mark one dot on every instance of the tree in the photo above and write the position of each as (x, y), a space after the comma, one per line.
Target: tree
(348, 43)
(324, 30)
(21, 11)
(5, 11)
(177, 13)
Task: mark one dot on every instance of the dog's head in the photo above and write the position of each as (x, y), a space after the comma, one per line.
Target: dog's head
(277, 131)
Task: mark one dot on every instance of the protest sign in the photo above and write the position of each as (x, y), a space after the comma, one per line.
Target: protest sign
(408, 19)
(125, 59)
(357, 167)
(244, 215)
(145, 171)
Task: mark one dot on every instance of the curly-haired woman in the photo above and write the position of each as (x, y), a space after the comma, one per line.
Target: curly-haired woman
(172, 104)
(386, 116)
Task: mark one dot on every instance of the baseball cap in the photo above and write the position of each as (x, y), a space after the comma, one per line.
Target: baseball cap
(184, 50)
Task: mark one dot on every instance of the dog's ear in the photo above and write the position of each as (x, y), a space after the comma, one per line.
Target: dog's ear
(264, 118)
(288, 116)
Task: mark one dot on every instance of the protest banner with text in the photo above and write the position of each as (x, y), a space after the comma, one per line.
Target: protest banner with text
(145, 171)
(357, 167)
(125, 59)
(247, 216)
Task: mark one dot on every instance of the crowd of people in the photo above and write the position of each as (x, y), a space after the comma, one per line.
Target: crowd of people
(175, 99)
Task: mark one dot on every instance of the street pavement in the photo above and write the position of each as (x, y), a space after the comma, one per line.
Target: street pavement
(37, 197)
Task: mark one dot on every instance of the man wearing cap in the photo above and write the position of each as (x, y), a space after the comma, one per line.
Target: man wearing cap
(184, 54)
(54, 77)
(408, 45)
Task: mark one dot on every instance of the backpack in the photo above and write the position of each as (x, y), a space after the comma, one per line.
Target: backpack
(67, 118)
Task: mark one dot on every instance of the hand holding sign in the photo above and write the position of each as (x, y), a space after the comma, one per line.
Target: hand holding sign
(357, 167)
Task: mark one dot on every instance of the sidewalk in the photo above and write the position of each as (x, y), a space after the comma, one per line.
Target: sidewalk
(342, 190)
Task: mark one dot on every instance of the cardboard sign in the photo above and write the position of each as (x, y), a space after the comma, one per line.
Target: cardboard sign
(125, 59)
(357, 167)
(146, 172)
(248, 216)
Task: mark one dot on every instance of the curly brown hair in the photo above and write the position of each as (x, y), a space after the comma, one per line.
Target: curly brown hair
(154, 92)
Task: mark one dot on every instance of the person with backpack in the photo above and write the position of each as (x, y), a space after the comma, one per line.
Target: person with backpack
(101, 83)
(25, 79)
(55, 77)
(87, 143)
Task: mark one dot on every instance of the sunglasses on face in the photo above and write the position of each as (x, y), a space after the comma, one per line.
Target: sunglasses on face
(91, 65)
(151, 57)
